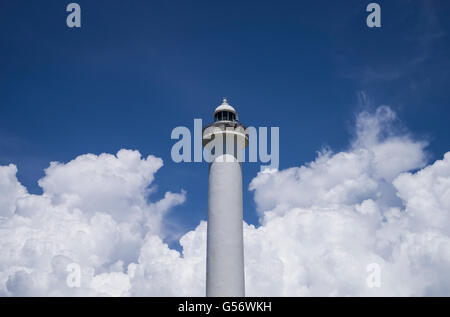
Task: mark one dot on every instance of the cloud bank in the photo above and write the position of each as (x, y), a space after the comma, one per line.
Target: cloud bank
(94, 211)
(321, 225)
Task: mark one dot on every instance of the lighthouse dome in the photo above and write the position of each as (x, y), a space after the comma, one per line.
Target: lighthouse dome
(225, 112)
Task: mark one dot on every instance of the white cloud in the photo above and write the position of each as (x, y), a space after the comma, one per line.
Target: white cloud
(10, 190)
(327, 220)
(94, 211)
(113, 283)
(426, 195)
(161, 271)
(322, 224)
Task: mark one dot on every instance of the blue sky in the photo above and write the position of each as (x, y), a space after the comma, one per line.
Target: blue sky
(137, 69)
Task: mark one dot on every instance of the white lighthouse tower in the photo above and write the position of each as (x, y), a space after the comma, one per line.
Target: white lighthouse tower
(225, 245)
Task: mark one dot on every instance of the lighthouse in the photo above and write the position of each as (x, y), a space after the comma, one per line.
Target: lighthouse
(225, 243)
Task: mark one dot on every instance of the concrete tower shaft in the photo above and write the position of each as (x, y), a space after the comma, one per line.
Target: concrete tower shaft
(225, 244)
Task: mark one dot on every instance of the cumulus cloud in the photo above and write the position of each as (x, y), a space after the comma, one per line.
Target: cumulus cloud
(325, 222)
(94, 211)
(10, 190)
(321, 225)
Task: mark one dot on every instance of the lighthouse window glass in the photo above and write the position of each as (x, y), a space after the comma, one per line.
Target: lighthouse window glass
(219, 116)
(225, 115)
